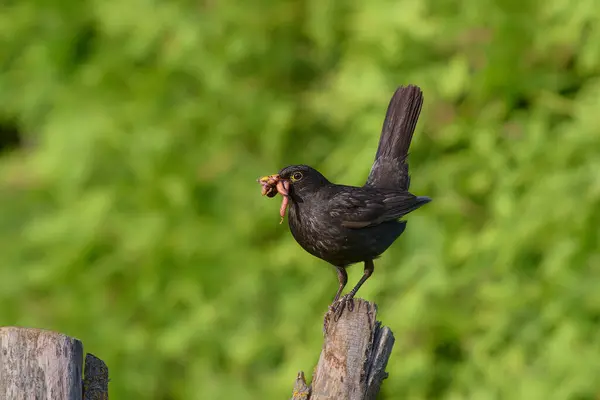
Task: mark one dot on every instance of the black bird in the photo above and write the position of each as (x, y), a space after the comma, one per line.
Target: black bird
(343, 224)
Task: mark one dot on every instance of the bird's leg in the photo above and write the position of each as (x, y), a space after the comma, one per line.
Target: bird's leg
(369, 267)
(342, 279)
(339, 307)
(334, 307)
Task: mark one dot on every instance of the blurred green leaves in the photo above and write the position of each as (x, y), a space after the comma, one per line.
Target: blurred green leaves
(131, 218)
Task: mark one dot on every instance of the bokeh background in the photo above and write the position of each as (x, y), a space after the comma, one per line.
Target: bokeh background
(132, 133)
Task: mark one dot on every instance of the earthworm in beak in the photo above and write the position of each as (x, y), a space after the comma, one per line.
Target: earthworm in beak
(269, 185)
(273, 184)
(283, 187)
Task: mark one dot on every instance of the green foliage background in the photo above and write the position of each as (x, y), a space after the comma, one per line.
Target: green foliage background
(131, 219)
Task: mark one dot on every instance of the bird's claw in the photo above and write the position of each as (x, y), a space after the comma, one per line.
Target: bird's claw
(338, 307)
(350, 304)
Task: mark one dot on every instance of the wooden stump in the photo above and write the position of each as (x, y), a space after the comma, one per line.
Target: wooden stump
(353, 359)
(44, 365)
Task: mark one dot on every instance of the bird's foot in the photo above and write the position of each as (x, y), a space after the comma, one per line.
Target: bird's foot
(338, 307)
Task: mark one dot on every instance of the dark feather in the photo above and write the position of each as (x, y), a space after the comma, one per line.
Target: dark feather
(390, 168)
(363, 207)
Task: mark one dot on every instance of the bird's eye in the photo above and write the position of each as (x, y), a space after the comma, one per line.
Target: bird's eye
(296, 176)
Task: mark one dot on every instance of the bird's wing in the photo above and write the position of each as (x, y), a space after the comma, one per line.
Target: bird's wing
(390, 168)
(359, 208)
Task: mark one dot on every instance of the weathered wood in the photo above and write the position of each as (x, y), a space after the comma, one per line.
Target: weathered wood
(301, 389)
(353, 359)
(39, 364)
(95, 383)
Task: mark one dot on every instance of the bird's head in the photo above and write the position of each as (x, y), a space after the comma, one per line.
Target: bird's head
(303, 180)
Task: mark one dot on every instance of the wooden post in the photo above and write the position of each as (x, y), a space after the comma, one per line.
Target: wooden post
(353, 359)
(45, 365)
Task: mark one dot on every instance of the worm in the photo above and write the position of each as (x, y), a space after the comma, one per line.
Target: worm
(269, 183)
(273, 184)
(283, 188)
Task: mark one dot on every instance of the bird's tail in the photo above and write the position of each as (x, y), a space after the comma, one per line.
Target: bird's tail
(390, 169)
(400, 122)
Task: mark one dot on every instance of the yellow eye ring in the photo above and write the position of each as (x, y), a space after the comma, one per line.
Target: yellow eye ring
(296, 176)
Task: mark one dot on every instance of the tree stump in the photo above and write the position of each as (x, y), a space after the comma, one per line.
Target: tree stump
(353, 359)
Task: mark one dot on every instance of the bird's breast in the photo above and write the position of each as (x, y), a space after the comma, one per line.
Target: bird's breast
(314, 230)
